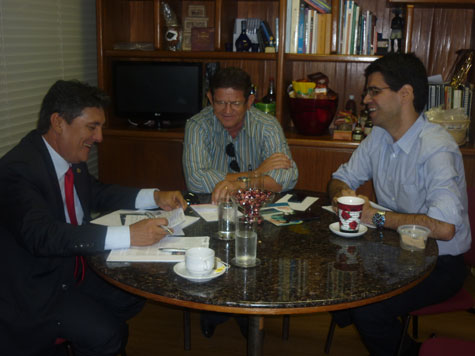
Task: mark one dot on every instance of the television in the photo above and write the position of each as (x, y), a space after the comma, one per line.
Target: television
(157, 94)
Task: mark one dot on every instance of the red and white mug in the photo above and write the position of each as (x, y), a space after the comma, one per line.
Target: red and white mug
(349, 213)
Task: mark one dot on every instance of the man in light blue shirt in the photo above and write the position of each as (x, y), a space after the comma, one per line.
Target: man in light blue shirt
(418, 173)
(230, 137)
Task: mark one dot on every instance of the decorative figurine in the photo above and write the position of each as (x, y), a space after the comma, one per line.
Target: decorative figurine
(173, 32)
(397, 23)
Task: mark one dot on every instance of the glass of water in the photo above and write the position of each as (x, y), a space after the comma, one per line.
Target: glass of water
(227, 213)
(246, 244)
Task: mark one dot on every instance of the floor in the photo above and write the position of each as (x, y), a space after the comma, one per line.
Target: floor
(158, 330)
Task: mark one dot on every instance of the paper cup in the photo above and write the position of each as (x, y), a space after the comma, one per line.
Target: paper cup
(349, 213)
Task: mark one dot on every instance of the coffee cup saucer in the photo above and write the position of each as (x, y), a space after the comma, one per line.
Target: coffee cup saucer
(180, 269)
(335, 228)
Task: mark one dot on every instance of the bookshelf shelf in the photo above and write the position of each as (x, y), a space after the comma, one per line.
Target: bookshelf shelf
(192, 55)
(330, 58)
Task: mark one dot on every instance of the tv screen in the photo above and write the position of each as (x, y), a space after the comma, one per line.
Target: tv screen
(157, 94)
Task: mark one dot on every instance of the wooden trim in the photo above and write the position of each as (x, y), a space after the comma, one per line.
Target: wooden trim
(100, 45)
(408, 29)
(156, 24)
(435, 2)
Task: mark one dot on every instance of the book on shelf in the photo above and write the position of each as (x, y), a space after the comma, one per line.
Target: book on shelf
(320, 5)
(202, 39)
(448, 97)
(295, 11)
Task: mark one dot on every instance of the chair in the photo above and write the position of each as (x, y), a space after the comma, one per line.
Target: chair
(463, 300)
(441, 346)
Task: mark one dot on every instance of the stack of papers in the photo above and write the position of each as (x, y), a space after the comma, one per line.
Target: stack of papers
(169, 249)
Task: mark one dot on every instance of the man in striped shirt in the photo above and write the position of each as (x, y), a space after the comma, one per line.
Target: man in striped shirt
(230, 137)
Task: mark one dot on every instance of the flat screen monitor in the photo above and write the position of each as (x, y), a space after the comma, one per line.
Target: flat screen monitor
(157, 94)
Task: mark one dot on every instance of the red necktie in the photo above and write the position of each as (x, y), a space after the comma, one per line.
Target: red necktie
(69, 195)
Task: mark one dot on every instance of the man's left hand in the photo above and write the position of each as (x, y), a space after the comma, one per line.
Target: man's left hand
(169, 200)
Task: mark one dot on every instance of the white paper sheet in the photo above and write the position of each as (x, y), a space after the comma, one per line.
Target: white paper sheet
(154, 254)
(302, 206)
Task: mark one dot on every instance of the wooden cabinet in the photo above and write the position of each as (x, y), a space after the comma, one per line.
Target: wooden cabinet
(435, 30)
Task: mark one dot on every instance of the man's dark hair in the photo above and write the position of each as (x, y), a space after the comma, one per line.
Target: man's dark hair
(69, 98)
(231, 77)
(399, 69)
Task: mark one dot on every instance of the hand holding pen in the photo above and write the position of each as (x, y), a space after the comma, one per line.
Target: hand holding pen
(148, 231)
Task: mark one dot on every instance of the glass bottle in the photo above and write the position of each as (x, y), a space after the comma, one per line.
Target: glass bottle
(368, 126)
(243, 42)
(358, 132)
(351, 105)
(270, 96)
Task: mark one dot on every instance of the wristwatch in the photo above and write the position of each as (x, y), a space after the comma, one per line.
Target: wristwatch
(379, 219)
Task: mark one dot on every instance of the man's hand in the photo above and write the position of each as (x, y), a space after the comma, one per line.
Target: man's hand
(223, 189)
(147, 232)
(275, 161)
(169, 200)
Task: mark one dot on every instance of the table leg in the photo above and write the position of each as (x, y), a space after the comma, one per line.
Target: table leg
(255, 336)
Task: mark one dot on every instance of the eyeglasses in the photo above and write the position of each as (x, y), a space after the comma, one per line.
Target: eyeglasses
(373, 91)
(220, 104)
(232, 153)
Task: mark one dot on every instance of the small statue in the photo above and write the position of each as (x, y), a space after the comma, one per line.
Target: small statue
(397, 23)
(173, 30)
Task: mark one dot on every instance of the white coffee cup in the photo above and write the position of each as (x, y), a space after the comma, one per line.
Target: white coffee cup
(199, 261)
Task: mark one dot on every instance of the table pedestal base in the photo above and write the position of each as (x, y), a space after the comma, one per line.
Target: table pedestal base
(256, 334)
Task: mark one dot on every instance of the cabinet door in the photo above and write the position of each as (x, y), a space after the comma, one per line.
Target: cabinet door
(144, 162)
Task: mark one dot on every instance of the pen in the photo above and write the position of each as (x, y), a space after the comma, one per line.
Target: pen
(151, 216)
(165, 249)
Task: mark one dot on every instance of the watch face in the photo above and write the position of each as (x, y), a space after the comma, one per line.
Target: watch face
(378, 220)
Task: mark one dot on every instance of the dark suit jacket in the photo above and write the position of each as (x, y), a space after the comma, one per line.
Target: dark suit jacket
(38, 248)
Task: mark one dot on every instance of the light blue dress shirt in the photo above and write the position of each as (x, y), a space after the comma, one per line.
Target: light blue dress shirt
(116, 236)
(421, 173)
(205, 162)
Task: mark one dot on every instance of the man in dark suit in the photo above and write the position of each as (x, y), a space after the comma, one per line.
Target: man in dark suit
(47, 291)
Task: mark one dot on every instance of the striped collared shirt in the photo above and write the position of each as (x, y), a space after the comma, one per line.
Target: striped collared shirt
(205, 162)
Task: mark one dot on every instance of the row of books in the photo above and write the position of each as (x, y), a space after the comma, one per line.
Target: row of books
(309, 28)
(357, 29)
(449, 97)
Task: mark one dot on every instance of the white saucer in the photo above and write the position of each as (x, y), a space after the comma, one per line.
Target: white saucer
(180, 269)
(335, 228)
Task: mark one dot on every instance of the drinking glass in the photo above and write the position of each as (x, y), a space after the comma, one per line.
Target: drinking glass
(227, 213)
(246, 244)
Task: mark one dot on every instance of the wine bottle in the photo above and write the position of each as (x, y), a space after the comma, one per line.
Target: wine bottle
(243, 42)
(270, 96)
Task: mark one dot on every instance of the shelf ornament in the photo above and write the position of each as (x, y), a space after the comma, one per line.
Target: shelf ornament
(173, 30)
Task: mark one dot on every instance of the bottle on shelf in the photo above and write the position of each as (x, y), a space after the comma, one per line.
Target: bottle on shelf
(357, 132)
(253, 92)
(351, 105)
(368, 127)
(267, 103)
(270, 96)
(243, 42)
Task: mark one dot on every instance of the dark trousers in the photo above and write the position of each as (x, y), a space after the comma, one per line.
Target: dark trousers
(93, 316)
(379, 324)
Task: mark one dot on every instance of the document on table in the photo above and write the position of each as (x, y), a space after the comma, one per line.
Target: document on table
(209, 212)
(177, 220)
(169, 249)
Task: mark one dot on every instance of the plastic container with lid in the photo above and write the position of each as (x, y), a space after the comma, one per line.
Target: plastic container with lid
(413, 237)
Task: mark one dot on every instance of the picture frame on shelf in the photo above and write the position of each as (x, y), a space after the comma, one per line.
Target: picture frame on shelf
(196, 11)
(191, 22)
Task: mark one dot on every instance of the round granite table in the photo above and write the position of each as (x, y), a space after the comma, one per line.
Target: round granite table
(304, 268)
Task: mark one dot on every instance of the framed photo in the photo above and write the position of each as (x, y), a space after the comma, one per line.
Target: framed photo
(191, 22)
(196, 11)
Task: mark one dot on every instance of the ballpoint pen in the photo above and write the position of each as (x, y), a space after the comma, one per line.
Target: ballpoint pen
(151, 216)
